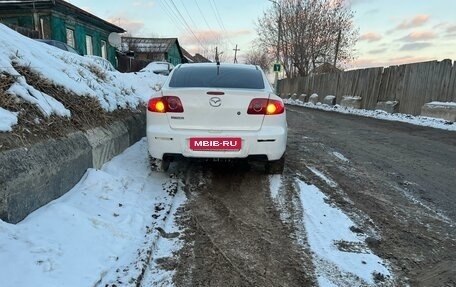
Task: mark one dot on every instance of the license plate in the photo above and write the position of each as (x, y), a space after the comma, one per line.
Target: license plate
(217, 144)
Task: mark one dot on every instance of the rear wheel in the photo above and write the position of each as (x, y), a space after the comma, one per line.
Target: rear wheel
(275, 166)
(160, 165)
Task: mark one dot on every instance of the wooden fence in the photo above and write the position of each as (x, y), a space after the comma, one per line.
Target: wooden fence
(412, 85)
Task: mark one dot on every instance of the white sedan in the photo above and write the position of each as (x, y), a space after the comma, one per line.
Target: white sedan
(217, 111)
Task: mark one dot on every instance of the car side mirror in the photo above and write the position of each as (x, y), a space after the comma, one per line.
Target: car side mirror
(157, 87)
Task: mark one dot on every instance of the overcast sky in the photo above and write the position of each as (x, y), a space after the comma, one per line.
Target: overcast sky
(391, 31)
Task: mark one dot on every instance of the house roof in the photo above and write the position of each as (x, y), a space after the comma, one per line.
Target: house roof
(187, 56)
(61, 6)
(201, 59)
(150, 45)
(326, 68)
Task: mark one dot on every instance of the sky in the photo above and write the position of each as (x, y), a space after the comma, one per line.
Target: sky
(101, 231)
(391, 32)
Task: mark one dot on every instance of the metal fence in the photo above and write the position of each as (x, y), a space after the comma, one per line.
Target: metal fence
(412, 85)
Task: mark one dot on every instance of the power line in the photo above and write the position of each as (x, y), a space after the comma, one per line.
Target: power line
(188, 14)
(185, 23)
(175, 14)
(171, 14)
(217, 14)
(219, 19)
(202, 14)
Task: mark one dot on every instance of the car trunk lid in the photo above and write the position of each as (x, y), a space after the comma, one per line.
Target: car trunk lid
(215, 109)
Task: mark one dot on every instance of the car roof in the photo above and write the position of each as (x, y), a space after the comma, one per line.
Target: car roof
(231, 65)
(50, 41)
(47, 40)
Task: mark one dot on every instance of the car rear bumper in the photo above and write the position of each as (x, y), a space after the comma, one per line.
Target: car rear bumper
(269, 141)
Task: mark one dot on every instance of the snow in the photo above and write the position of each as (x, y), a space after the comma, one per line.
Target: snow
(157, 66)
(99, 232)
(382, 115)
(357, 98)
(329, 181)
(7, 120)
(340, 156)
(326, 226)
(74, 73)
(83, 237)
(448, 104)
(341, 257)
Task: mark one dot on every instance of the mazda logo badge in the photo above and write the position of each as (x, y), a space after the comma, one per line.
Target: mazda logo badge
(215, 101)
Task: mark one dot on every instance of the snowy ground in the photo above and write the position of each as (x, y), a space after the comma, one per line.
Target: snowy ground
(99, 232)
(340, 256)
(103, 230)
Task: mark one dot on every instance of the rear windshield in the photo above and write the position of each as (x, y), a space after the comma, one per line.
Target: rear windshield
(217, 77)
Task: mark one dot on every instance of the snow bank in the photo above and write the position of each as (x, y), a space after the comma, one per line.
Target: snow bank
(80, 75)
(379, 114)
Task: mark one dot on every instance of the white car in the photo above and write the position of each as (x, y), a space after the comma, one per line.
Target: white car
(161, 68)
(217, 111)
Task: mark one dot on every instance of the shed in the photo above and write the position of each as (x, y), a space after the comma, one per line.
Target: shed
(188, 57)
(326, 68)
(154, 49)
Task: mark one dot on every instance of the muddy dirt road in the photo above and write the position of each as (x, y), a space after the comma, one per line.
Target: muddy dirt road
(394, 180)
(401, 176)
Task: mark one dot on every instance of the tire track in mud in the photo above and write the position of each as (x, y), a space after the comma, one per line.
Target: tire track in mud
(137, 273)
(234, 233)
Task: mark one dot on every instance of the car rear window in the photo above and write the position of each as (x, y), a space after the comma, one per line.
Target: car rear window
(217, 77)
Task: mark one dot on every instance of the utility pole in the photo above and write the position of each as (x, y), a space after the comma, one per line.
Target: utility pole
(235, 53)
(279, 30)
(337, 47)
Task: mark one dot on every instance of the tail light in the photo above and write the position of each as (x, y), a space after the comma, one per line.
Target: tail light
(261, 106)
(166, 104)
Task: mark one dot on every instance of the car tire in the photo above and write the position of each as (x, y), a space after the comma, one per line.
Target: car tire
(159, 165)
(275, 166)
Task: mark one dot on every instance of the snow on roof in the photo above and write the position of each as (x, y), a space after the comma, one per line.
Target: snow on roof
(153, 45)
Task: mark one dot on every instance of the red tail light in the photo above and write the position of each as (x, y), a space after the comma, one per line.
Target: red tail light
(166, 104)
(260, 106)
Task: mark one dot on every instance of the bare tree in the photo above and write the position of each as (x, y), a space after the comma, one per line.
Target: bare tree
(309, 35)
(260, 58)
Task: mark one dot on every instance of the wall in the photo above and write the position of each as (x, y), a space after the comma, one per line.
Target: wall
(32, 177)
(174, 55)
(412, 85)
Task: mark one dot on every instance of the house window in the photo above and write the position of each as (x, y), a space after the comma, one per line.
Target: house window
(104, 50)
(89, 45)
(70, 37)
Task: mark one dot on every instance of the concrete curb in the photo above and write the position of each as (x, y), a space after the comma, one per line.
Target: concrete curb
(351, 102)
(107, 142)
(388, 106)
(440, 110)
(32, 177)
